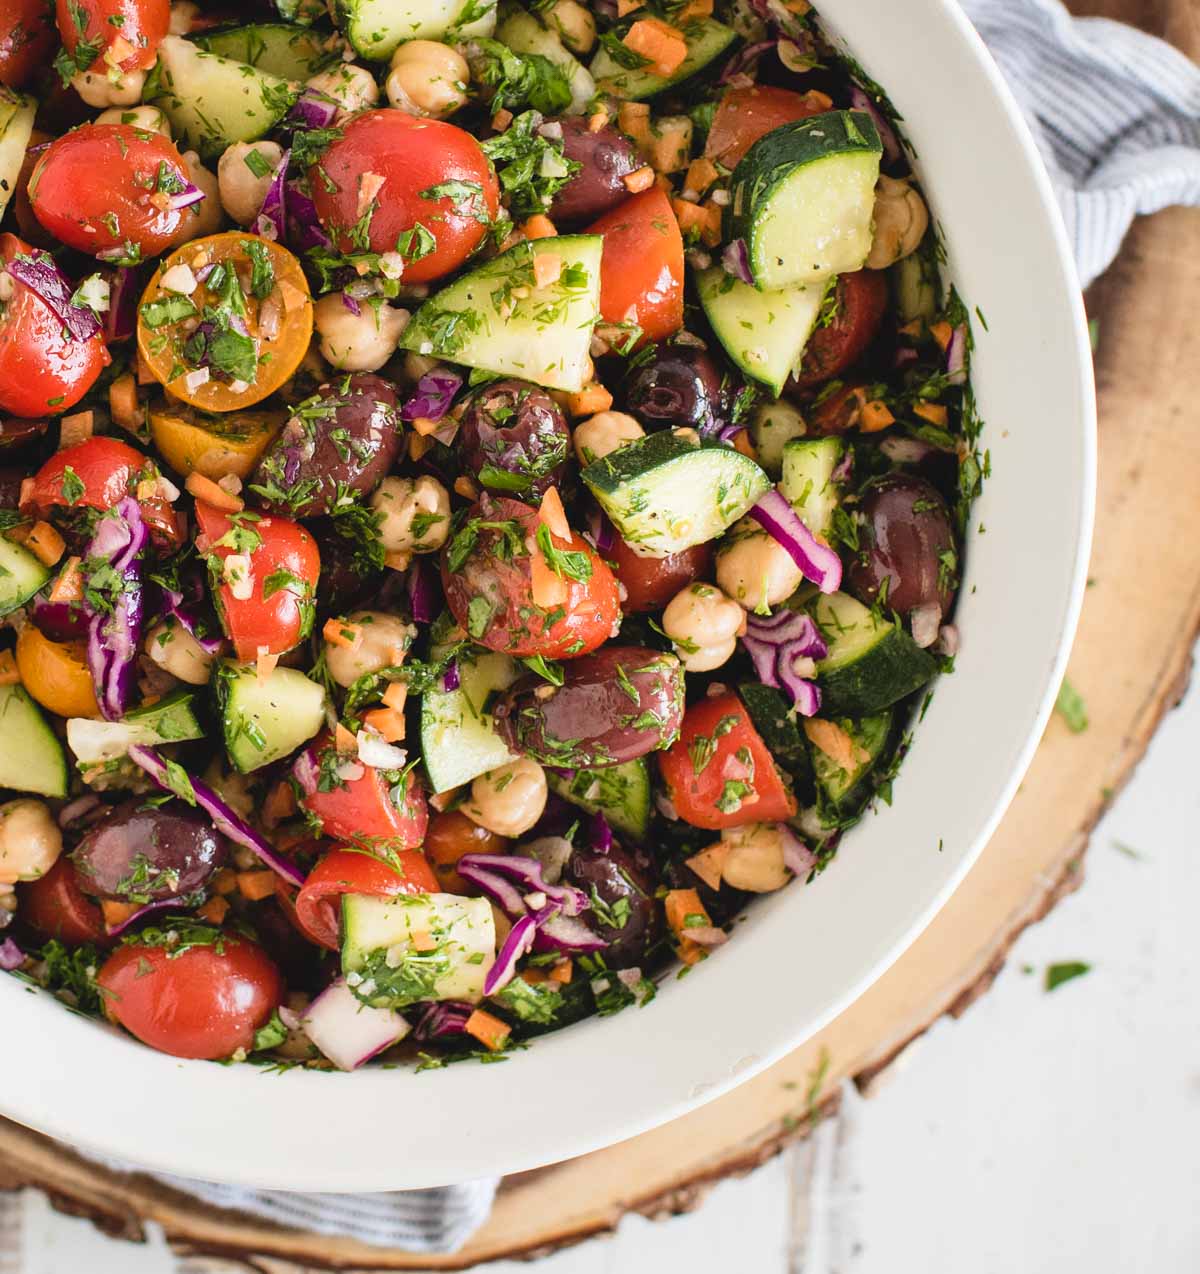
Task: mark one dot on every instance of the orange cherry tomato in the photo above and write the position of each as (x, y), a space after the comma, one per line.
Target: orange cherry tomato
(718, 773)
(743, 115)
(276, 618)
(27, 37)
(375, 184)
(449, 837)
(861, 300)
(56, 673)
(651, 582)
(54, 905)
(139, 24)
(641, 272)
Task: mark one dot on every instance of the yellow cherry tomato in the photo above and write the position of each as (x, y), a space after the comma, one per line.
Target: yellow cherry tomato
(214, 446)
(228, 341)
(56, 673)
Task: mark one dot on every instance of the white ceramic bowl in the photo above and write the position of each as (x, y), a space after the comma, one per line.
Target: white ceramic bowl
(804, 954)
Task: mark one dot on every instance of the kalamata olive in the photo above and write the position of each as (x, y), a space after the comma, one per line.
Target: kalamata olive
(906, 539)
(615, 704)
(339, 442)
(651, 582)
(16, 433)
(607, 158)
(10, 487)
(345, 575)
(514, 438)
(677, 385)
(140, 853)
(627, 916)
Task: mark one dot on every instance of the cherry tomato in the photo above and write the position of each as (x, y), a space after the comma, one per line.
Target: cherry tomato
(56, 906)
(651, 582)
(278, 621)
(492, 591)
(203, 1001)
(27, 38)
(139, 25)
(349, 871)
(371, 186)
(861, 301)
(43, 371)
(451, 835)
(106, 467)
(103, 186)
(641, 272)
(743, 115)
(56, 673)
(718, 773)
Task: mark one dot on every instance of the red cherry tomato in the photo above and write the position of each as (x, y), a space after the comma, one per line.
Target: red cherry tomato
(280, 621)
(106, 467)
(641, 272)
(42, 370)
(861, 301)
(103, 186)
(743, 115)
(719, 773)
(493, 592)
(140, 24)
(204, 1001)
(380, 171)
(347, 871)
(651, 582)
(26, 40)
(56, 906)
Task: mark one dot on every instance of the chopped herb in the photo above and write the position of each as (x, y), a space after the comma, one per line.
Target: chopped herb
(1057, 974)
(1071, 707)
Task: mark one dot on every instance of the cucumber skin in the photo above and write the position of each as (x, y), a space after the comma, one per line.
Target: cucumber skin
(892, 669)
(855, 795)
(634, 822)
(771, 716)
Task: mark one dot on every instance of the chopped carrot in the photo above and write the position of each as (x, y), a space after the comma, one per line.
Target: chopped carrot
(935, 413)
(369, 186)
(396, 695)
(547, 589)
(597, 121)
(424, 426)
(913, 329)
(208, 492)
(680, 905)
(501, 120)
(45, 543)
(534, 977)
(441, 801)
(465, 487)
(701, 174)
(256, 885)
(418, 445)
(345, 743)
(744, 443)
(68, 587)
(490, 1031)
(387, 722)
(661, 45)
(115, 912)
(640, 179)
(552, 513)
(710, 234)
(399, 560)
(339, 632)
(264, 664)
(9, 676)
(709, 863)
(838, 746)
(25, 496)
(214, 911)
(547, 269)
(634, 119)
(123, 402)
(77, 428)
(694, 9)
(144, 375)
(942, 333)
(294, 298)
(19, 533)
(626, 7)
(225, 881)
(589, 400)
(421, 940)
(539, 226)
(874, 417)
(689, 215)
(562, 972)
(280, 804)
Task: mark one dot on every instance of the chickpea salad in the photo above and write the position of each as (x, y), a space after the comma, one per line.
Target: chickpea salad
(482, 496)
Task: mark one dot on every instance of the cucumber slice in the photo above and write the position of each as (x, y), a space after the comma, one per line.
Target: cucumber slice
(21, 575)
(763, 332)
(280, 48)
(620, 792)
(16, 124)
(843, 793)
(458, 737)
(774, 719)
(664, 494)
(169, 721)
(803, 199)
(523, 33)
(706, 41)
(376, 27)
(31, 757)
(461, 929)
(214, 101)
(916, 288)
(871, 663)
(773, 427)
(265, 719)
(807, 482)
(543, 336)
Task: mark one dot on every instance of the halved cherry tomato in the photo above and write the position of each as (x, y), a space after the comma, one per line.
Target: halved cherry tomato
(375, 184)
(743, 115)
(43, 371)
(56, 673)
(449, 837)
(651, 582)
(99, 24)
(274, 616)
(491, 591)
(56, 906)
(719, 773)
(349, 871)
(101, 187)
(204, 1001)
(641, 272)
(106, 468)
(27, 38)
(861, 301)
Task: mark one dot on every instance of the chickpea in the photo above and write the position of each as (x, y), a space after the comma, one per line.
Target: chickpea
(207, 216)
(360, 342)
(149, 118)
(176, 651)
(901, 219)
(108, 86)
(428, 78)
(755, 569)
(383, 643)
(353, 88)
(297, 1047)
(416, 365)
(575, 25)
(508, 800)
(754, 861)
(415, 514)
(602, 434)
(242, 188)
(183, 17)
(704, 625)
(30, 841)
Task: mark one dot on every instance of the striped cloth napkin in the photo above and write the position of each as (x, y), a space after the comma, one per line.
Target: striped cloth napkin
(1117, 117)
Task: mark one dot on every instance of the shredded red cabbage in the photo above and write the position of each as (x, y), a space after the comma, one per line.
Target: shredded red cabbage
(433, 396)
(313, 109)
(443, 1018)
(40, 273)
(163, 904)
(797, 857)
(818, 561)
(745, 61)
(184, 198)
(601, 834)
(11, 956)
(956, 357)
(450, 680)
(303, 226)
(775, 644)
(114, 634)
(125, 287)
(351, 304)
(861, 100)
(60, 621)
(736, 261)
(424, 596)
(271, 222)
(518, 944)
(509, 877)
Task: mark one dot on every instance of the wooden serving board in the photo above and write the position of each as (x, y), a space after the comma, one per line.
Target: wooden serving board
(1131, 663)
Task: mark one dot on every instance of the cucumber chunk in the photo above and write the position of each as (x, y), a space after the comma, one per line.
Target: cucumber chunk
(843, 793)
(620, 792)
(31, 757)
(458, 736)
(803, 199)
(169, 721)
(21, 575)
(543, 335)
(280, 48)
(916, 288)
(773, 427)
(214, 101)
(807, 482)
(664, 494)
(376, 27)
(264, 719)
(384, 969)
(523, 33)
(774, 719)
(16, 124)
(871, 663)
(706, 41)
